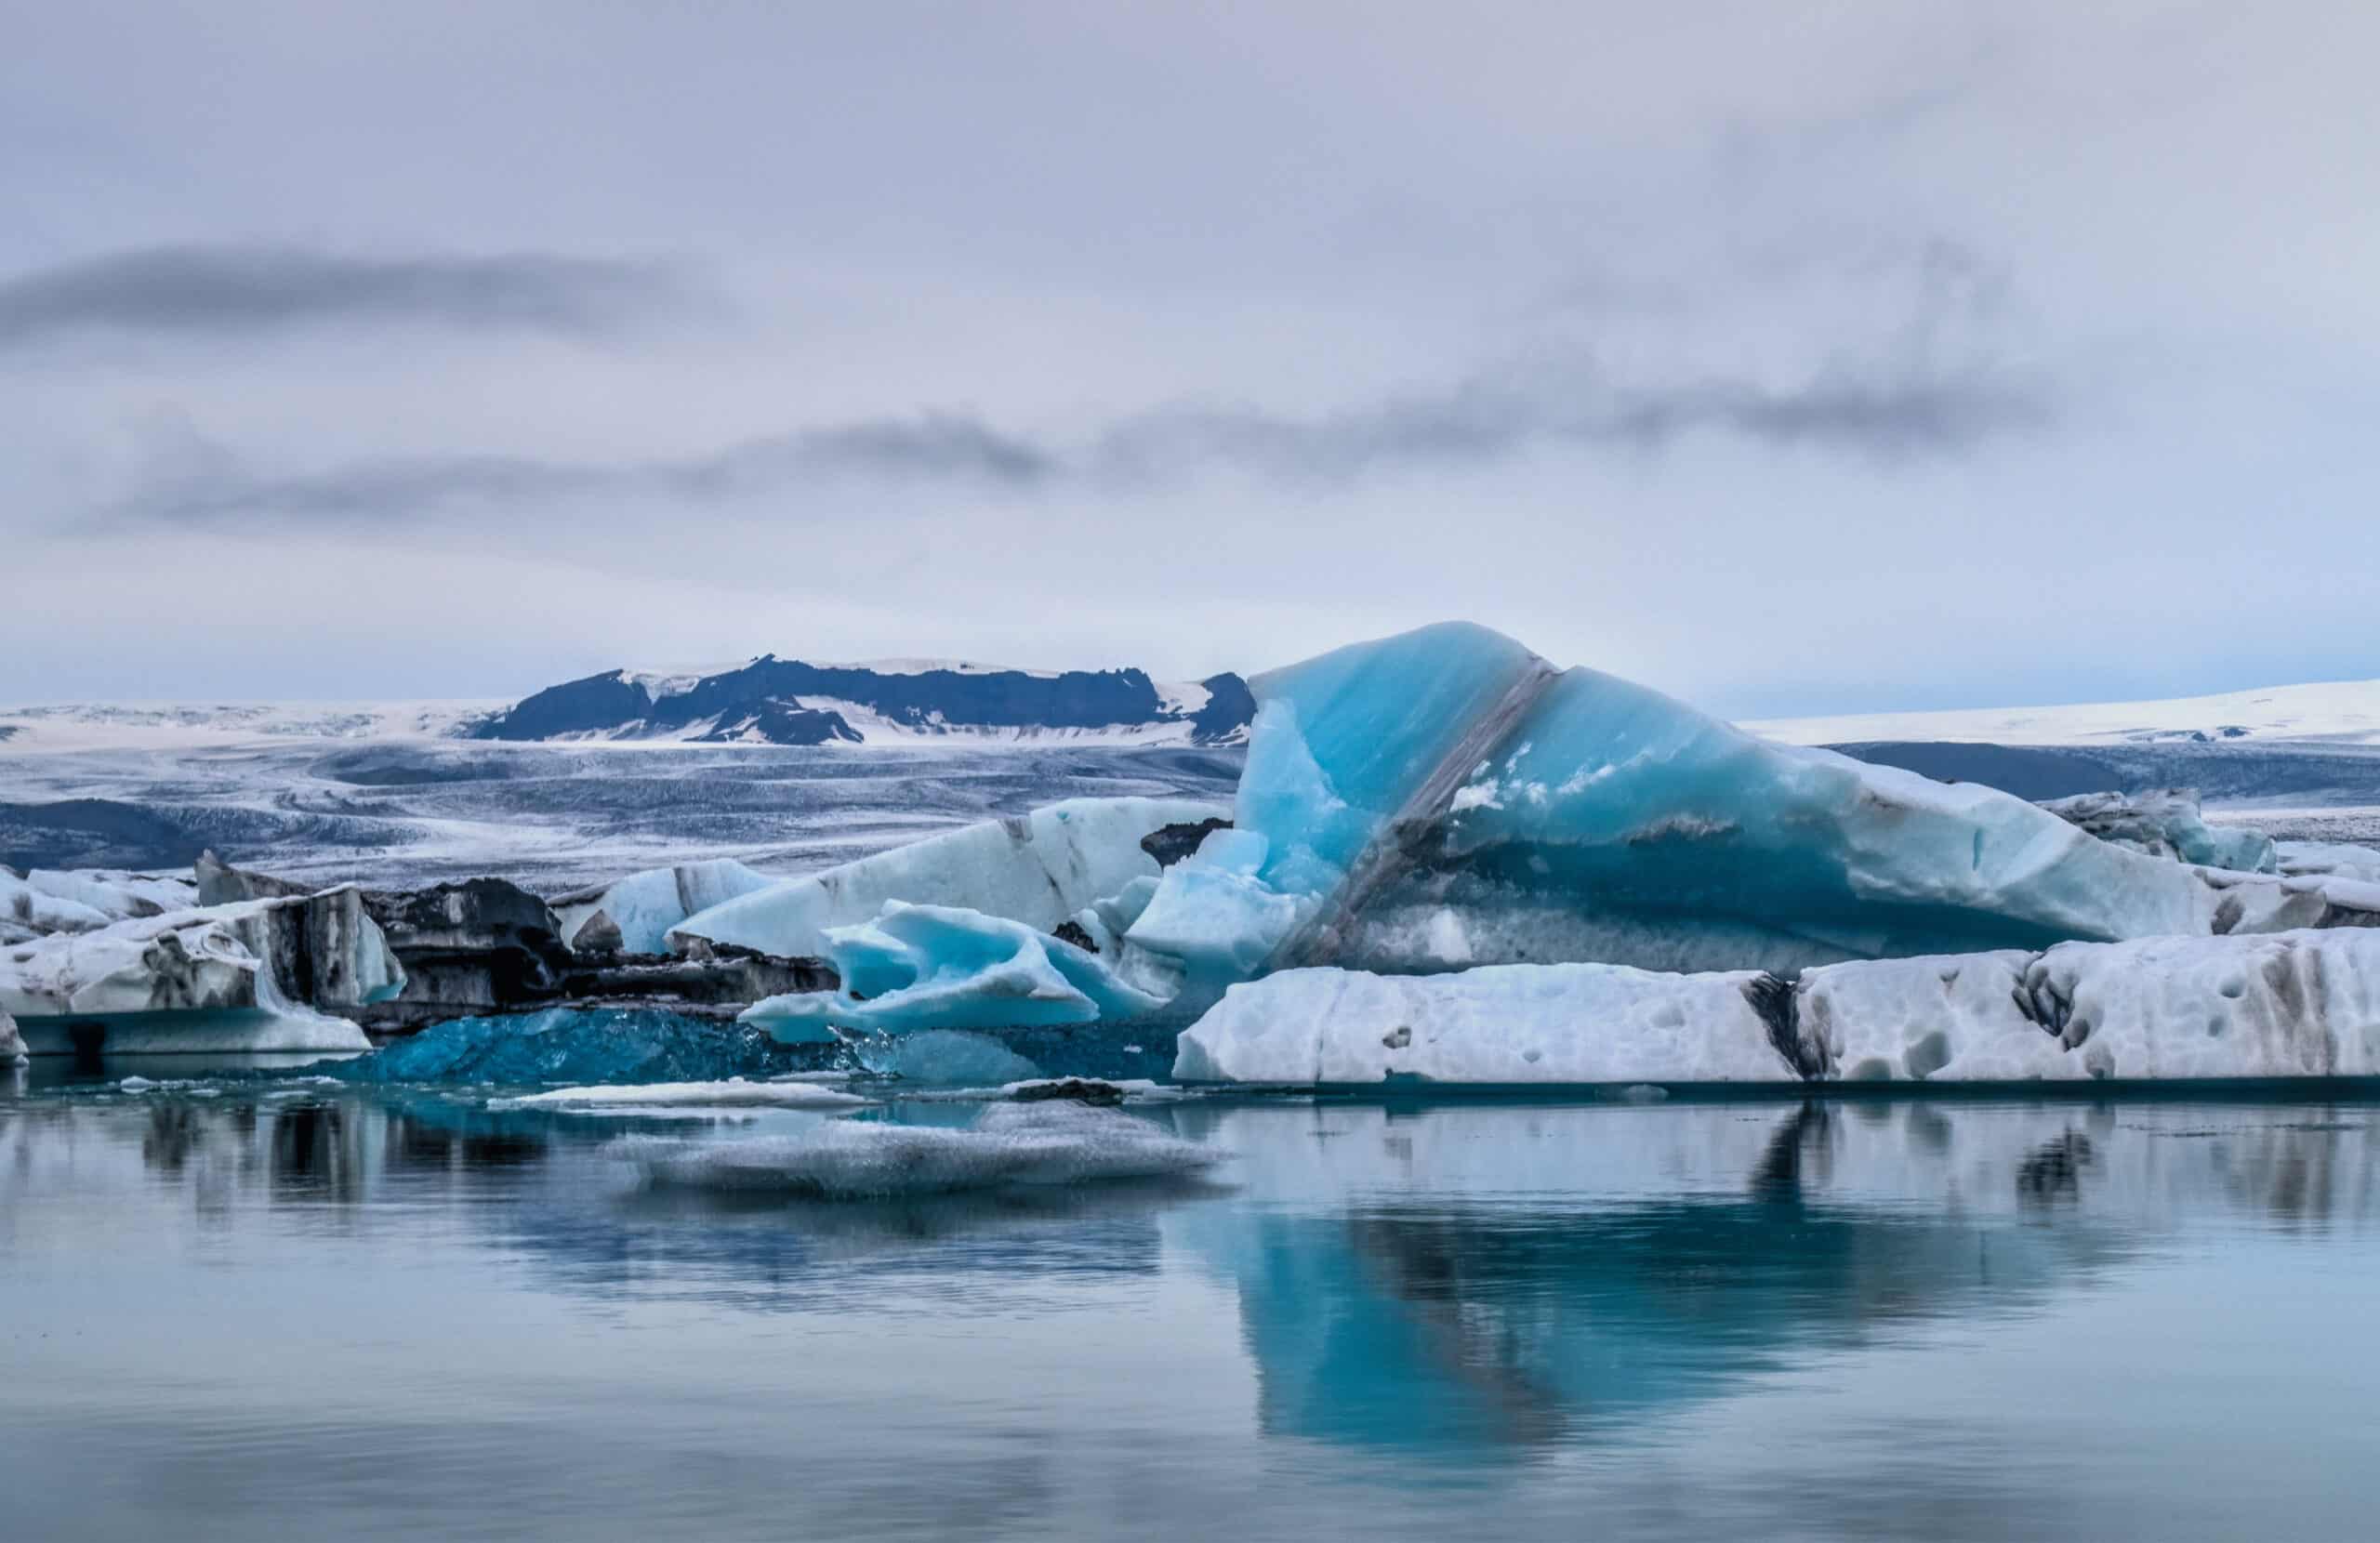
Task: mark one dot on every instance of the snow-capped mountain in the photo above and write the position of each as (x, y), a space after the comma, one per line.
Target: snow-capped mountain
(772, 700)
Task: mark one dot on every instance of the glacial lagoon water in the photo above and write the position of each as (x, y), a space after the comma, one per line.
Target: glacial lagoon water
(237, 1309)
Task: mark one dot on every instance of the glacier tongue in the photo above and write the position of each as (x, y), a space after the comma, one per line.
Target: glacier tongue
(2300, 1004)
(1038, 869)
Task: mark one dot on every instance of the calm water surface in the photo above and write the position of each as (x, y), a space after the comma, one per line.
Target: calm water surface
(398, 1314)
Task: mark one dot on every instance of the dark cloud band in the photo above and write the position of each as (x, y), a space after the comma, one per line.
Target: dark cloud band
(1483, 421)
(236, 291)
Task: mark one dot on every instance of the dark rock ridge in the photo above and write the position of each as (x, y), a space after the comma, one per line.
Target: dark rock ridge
(763, 702)
(487, 947)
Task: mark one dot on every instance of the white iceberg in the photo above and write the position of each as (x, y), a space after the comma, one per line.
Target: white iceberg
(2300, 1004)
(939, 967)
(246, 976)
(634, 914)
(1039, 869)
(12, 1044)
(1550, 1024)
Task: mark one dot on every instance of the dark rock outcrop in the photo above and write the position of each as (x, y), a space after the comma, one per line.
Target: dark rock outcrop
(482, 945)
(1094, 1091)
(1170, 844)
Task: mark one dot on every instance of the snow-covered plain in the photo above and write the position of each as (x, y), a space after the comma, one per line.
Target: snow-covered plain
(2338, 712)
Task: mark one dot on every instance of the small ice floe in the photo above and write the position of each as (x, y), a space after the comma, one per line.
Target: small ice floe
(1009, 1144)
(735, 1093)
(188, 1087)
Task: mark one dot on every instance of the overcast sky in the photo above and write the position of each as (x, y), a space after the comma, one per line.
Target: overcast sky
(1792, 358)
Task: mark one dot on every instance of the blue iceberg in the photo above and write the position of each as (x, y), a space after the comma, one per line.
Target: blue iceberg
(941, 966)
(1446, 796)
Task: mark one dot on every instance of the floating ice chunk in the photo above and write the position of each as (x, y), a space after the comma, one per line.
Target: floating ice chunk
(634, 914)
(266, 959)
(2287, 1005)
(1038, 869)
(733, 1093)
(1213, 914)
(12, 1044)
(2257, 902)
(1519, 1023)
(2167, 824)
(1009, 1144)
(1106, 921)
(941, 966)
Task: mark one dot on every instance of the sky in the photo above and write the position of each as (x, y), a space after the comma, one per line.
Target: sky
(1801, 359)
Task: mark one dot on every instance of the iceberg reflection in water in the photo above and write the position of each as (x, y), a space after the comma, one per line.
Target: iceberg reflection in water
(1734, 1319)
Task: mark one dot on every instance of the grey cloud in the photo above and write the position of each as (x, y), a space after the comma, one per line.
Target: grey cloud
(1488, 419)
(198, 487)
(238, 290)
(1481, 421)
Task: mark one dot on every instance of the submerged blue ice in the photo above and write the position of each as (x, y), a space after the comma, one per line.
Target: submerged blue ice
(591, 1046)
